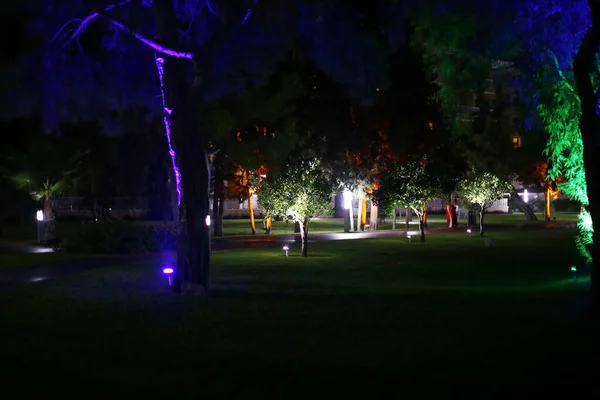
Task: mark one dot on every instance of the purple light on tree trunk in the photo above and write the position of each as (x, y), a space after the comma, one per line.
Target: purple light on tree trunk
(160, 65)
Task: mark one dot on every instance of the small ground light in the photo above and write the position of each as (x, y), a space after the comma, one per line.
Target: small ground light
(469, 231)
(287, 250)
(39, 215)
(408, 237)
(574, 273)
(168, 271)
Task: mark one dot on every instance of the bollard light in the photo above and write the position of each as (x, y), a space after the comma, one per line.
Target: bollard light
(207, 220)
(574, 273)
(408, 237)
(168, 271)
(286, 249)
(39, 215)
(469, 231)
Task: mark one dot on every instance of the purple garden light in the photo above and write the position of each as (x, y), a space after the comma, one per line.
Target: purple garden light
(168, 271)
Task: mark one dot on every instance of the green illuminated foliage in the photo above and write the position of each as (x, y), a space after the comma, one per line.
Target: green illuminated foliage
(409, 185)
(482, 188)
(560, 113)
(586, 232)
(301, 191)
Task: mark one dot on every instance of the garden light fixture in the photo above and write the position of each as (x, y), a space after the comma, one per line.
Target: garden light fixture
(287, 250)
(168, 271)
(574, 273)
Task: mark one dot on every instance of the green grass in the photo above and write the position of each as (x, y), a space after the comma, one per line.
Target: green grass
(241, 227)
(356, 318)
(28, 260)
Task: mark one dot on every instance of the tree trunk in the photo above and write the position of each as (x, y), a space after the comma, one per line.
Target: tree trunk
(374, 216)
(449, 219)
(582, 67)
(268, 224)
(251, 211)
(304, 236)
(481, 214)
(363, 214)
(394, 220)
(408, 217)
(548, 200)
(526, 208)
(218, 195)
(351, 211)
(425, 214)
(358, 215)
(49, 220)
(421, 216)
(180, 112)
(174, 198)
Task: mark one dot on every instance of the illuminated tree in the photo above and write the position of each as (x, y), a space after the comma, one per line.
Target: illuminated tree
(555, 97)
(200, 49)
(462, 42)
(586, 68)
(409, 185)
(301, 191)
(252, 132)
(482, 188)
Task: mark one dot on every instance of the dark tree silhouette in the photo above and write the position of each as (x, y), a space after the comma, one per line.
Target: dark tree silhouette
(200, 50)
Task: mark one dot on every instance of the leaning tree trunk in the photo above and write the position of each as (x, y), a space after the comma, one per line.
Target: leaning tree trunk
(193, 258)
(526, 208)
(582, 66)
(304, 236)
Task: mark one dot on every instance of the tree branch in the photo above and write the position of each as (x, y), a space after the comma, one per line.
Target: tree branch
(248, 13)
(83, 23)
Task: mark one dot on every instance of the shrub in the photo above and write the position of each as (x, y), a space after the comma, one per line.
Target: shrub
(112, 236)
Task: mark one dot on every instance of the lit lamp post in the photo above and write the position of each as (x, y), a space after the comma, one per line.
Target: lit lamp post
(347, 205)
(39, 216)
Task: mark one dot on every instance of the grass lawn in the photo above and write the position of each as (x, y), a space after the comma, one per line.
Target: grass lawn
(28, 260)
(373, 318)
(241, 227)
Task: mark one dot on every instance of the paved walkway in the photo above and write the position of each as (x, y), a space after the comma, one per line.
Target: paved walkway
(23, 275)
